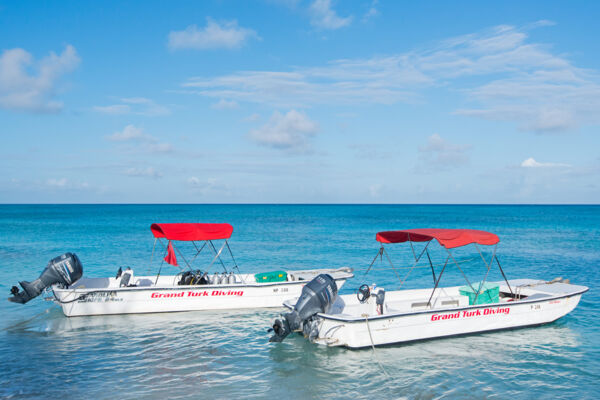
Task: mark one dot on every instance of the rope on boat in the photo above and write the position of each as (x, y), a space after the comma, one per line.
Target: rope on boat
(373, 346)
(81, 297)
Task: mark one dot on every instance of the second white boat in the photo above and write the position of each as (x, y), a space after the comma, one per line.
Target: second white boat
(376, 317)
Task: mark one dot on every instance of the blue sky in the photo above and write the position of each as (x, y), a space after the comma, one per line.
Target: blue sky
(299, 102)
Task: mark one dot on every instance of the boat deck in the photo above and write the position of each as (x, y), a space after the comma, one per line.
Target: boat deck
(171, 281)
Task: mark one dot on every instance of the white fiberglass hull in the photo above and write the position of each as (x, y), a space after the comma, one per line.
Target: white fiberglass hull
(174, 298)
(363, 328)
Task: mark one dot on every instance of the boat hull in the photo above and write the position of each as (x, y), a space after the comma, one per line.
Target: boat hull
(134, 300)
(432, 324)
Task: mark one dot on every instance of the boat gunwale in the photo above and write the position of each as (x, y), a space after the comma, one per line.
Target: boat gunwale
(470, 307)
(188, 287)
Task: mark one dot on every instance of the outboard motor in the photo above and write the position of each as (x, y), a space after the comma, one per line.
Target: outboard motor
(64, 269)
(317, 297)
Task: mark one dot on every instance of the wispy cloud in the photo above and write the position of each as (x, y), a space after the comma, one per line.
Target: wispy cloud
(532, 163)
(208, 186)
(439, 155)
(517, 81)
(323, 16)
(226, 34)
(129, 133)
(64, 183)
(134, 106)
(225, 105)
(145, 142)
(252, 117)
(148, 172)
(372, 11)
(24, 90)
(290, 131)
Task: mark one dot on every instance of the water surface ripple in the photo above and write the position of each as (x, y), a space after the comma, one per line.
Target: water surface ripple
(226, 354)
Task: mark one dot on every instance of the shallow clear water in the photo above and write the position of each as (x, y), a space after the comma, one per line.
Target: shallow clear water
(209, 354)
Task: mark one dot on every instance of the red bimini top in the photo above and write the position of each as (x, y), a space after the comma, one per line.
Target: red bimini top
(190, 232)
(449, 238)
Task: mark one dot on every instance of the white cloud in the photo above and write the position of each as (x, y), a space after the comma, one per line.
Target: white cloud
(115, 109)
(148, 172)
(64, 183)
(225, 105)
(324, 17)
(129, 133)
(372, 12)
(134, 106)
(289, 132)
(441, 154)
(161, 148)
(57, 183)
(532, 163)
(516, 81)
(208, 186)
(252, 117)
(214, 35)
(375, 190)
(194, 181)
(145, 142)
(21, 89)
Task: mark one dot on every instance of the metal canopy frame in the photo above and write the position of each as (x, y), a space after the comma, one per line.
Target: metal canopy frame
(217, 255)
(437, 280)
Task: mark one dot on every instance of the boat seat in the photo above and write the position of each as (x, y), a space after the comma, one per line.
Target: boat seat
(144, 282)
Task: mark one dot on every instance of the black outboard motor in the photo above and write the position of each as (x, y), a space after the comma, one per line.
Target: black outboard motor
(64, 269)
(317, 297)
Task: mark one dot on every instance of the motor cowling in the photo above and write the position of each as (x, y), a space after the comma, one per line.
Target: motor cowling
(64, 269)
(317, 296)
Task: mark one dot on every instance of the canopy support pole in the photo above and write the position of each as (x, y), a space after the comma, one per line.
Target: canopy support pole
(460, 269)
(504, 276)
(489, 265)
(231, 254)
(197, 251)
(431, 265)
(217, 255)
(411, 246)
(413, 266)
(379, 253)
(182, 256)
(158, 275)
(161, 264)
(234, 262)
(437, 282)
(390, 261)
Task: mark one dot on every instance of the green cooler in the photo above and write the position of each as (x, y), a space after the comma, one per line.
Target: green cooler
(490, 293)
(275, 276)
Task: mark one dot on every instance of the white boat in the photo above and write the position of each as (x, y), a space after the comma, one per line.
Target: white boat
(189, 290)
(378, 317)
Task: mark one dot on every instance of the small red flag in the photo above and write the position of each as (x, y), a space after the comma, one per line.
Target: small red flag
(170, 257)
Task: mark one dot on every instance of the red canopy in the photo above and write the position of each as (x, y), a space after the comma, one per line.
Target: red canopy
(449, 238)
(189, 232)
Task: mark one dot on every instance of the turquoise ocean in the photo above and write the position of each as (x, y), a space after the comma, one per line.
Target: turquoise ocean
(227, 355)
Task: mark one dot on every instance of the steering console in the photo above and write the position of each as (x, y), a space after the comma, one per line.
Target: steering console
(363, 293)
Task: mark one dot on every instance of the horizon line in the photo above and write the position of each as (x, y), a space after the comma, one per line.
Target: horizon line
(305, 204)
